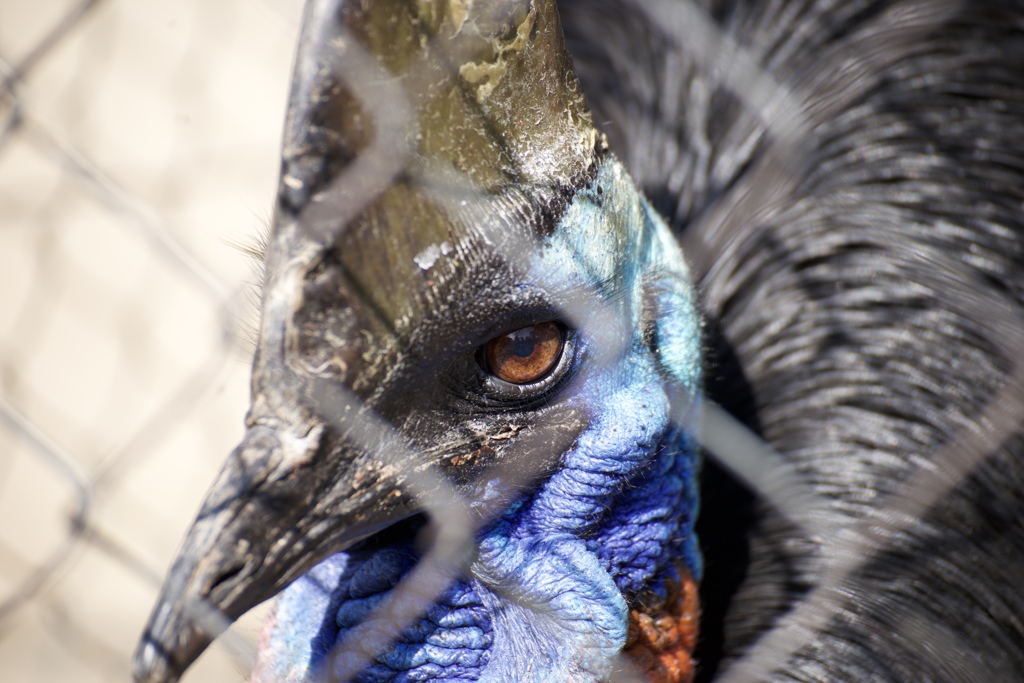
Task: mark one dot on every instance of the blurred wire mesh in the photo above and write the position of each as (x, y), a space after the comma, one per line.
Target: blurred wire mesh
(139, 146)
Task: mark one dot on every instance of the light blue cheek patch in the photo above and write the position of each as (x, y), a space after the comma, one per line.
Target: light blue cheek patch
(599, 249)
(677, 323)
(614, 248)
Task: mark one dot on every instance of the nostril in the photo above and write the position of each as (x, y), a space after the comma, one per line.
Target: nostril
(227, 575)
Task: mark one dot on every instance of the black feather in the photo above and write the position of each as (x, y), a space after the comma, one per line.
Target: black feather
(869, 314)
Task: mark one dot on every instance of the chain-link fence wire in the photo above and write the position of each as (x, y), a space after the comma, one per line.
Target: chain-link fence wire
(140, 143)
(139, 146)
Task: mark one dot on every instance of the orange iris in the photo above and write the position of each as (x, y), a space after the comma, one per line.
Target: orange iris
(525, 355)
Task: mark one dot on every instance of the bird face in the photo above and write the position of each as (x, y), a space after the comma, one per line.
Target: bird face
(581, 488)
(479, 367)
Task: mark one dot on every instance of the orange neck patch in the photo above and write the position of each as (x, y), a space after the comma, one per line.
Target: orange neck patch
(662, 636)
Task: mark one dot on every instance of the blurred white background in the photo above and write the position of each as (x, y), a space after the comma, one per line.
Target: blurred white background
(138, 150)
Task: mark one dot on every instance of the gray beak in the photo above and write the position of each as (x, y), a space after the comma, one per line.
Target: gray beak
(280, 505)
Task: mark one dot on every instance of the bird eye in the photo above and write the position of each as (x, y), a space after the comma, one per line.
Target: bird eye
(526, 355)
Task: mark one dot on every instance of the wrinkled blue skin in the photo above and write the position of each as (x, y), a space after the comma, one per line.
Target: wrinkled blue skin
(546, 599)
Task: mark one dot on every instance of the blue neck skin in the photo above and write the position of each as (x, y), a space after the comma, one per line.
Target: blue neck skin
(547, 597)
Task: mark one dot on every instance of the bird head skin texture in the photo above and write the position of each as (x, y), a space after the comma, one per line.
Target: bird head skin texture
(443, 185)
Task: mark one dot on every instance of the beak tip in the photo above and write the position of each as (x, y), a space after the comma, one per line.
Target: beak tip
(151, 665)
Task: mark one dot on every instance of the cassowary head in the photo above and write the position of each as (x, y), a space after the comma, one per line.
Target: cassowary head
(467, 445)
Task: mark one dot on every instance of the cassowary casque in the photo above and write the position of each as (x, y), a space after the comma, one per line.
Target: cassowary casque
(471, 452)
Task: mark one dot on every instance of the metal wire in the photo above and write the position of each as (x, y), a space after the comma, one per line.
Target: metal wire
(103, 450)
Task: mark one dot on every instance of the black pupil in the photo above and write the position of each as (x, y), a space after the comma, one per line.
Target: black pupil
(523, 346)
